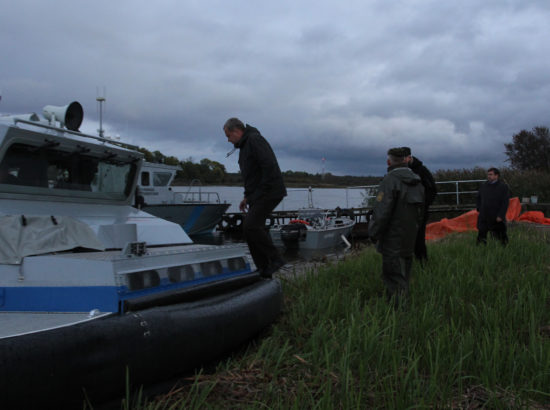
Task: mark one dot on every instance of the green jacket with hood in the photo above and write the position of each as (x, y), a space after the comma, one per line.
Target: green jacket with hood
(398, 212)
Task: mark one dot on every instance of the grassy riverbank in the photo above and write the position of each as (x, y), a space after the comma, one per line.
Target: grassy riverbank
(476, 333)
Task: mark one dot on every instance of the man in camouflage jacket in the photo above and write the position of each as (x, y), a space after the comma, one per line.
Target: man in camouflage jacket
(396, 217)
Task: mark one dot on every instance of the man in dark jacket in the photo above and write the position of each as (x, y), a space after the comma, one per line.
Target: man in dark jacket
(430, 191)
(493, 198)
(263, 190)
(395, 220)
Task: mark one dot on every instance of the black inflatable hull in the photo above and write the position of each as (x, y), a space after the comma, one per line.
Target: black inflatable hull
(61, 367)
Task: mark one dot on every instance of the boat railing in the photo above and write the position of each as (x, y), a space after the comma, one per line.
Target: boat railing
(197, 197)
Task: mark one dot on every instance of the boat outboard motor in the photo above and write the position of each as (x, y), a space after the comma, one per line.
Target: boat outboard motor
(69, 116)
(292, 233)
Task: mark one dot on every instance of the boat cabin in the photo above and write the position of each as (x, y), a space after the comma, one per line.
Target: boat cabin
(154, 184)
(56, 167)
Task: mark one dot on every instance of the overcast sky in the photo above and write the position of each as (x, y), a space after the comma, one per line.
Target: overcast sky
(342, 80)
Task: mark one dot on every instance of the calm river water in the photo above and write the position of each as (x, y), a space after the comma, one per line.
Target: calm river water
(326, 198)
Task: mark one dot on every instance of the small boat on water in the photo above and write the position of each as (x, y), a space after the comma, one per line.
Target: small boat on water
(197, 211)
(94, 293)
(313, 228)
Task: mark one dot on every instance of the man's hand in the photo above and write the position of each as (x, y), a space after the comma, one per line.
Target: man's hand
(243, 206)
(499, 219)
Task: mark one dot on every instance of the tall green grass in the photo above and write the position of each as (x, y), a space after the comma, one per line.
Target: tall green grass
(475, 333)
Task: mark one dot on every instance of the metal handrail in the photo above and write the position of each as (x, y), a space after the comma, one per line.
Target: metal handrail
(456, 191)
(196, 197)
(371, 191)
(102, 139)
(194, 182)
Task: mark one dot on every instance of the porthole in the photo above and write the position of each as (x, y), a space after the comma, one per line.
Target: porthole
(236, 264)
(143, 280)
(211, 268)
(181, 273)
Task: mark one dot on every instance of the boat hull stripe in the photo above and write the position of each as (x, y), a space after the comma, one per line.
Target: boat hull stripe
(60, 299)
(192, 219)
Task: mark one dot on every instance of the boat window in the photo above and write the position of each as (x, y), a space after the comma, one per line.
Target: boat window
(161, 178)
(57, 170)
(144, 179)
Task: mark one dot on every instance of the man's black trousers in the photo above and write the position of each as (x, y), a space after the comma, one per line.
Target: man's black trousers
(256, 234)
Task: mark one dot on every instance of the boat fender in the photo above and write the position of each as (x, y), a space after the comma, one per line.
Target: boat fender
(299, 221)
(231, 221)
(235, 220)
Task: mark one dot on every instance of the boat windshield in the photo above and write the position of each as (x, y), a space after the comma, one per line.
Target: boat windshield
(161, 178)
(30, 169)
(310, 214)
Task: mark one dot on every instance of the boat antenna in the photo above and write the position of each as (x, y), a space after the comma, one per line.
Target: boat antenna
(101, 100)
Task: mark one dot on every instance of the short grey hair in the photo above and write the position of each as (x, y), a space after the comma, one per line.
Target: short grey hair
(397, 160)
(233, 123)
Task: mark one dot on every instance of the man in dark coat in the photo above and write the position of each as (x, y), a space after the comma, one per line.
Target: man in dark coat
(395, 220)
(493, 198)
(430, 192)
(263, 190)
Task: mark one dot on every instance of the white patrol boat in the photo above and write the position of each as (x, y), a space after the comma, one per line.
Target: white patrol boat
(197, 211)
(95, 293)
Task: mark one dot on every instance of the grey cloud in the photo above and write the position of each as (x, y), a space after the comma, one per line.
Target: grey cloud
(342, 81)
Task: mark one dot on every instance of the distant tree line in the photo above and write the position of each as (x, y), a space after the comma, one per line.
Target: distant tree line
(528, 174)
(213, 173)
(206, 171)
(301, 179)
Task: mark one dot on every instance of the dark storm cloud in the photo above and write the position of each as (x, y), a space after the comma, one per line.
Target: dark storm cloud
(341, 81)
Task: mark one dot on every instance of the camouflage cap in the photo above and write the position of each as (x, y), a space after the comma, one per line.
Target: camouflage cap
(400, 152)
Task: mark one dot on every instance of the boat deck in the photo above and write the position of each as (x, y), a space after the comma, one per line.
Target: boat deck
(152, 251)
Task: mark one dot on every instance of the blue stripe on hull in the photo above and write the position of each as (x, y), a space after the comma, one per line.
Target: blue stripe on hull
(86, 298)
(61, 299)
(190, 222)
